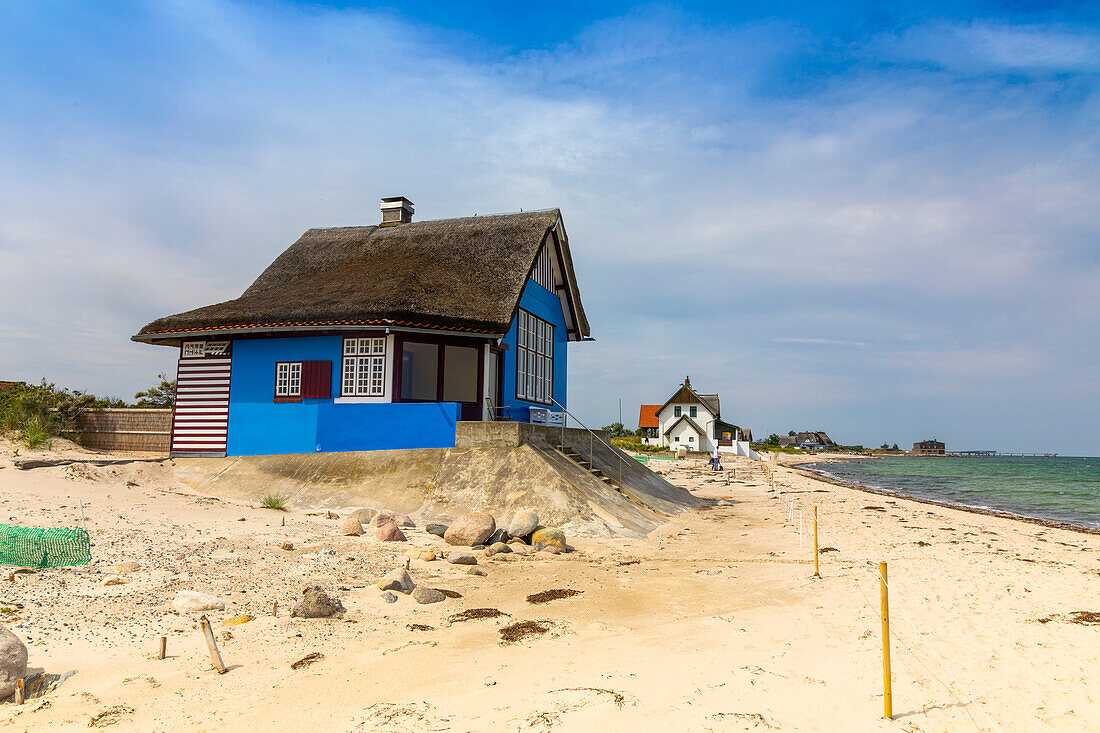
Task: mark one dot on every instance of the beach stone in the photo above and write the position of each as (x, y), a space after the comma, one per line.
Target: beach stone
(403, 520)
(115, 580)
(523, 524)
(517, 541)
(421, 594)
(190, 601)
(425, 555)
(286, 546)
(500, 548)
(384, 517)
(130, 566)
(476, 571)
(389, 597)
(364, 516)
(350, 527)
(520, 549)
(244, 618)
(390, 533)
(316, 603)
(550, 549)
(549, 537)
(13, 662)
(500, 535)
(398, 580)
(328, 515)
(461, 558)
(472, 528)
(437, 529)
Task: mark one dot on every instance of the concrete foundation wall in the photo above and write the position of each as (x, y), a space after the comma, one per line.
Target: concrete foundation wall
(120, 429)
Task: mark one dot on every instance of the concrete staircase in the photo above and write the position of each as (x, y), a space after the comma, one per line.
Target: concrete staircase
(577, 458)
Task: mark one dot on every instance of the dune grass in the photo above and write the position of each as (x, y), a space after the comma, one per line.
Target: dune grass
(273, 501)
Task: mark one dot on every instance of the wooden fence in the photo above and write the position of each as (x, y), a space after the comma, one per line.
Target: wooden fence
(121, 429)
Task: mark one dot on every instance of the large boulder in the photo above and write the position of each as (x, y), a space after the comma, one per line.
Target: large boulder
(364, 516)
(423, 594)
(390, 533)
(350, 527)
(316, 603)
(191, 601)
(398, 580)
(384, 517)
(461, 558)
(472, 528)
(13, 662)
(523, 524)
(549, 537)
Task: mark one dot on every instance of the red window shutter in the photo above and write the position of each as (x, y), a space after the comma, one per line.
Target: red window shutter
(316, 379)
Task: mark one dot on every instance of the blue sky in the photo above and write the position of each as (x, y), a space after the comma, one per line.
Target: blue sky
(878, 222)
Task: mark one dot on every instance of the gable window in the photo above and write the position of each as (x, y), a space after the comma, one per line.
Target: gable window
(364, 367)
(534, 358)
(693, 411)
(288, 379)
(677, 411)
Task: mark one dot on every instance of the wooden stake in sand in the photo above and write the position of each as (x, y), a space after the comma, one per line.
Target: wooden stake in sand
(275, 609)
(887, 687)
(163, 647)
(817, 571)
(215, 655)
(20, 694)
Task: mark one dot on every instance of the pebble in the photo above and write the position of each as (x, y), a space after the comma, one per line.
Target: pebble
(398, 580)
(500, 548)
(115, 580)
(389, 597)
(286, 546)
(476, 571)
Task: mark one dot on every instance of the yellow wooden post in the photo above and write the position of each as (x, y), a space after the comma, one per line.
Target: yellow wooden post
(887, 690)
(817, 570)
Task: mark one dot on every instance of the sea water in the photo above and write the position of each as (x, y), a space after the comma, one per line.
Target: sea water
(1063, 488)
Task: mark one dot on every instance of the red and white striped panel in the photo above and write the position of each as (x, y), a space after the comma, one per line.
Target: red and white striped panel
(201, 420)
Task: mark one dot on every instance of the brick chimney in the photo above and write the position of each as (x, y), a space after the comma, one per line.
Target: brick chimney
(396, 210)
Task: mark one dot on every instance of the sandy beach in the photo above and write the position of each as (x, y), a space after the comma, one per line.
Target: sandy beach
(711, 623)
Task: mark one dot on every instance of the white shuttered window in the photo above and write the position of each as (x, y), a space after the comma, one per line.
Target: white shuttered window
(364, 367)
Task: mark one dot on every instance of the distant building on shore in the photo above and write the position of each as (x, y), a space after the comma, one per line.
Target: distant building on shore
(809, 440)
(693, 421)
(929, 448)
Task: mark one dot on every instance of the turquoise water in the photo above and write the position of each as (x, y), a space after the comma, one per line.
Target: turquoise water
(1064, 488)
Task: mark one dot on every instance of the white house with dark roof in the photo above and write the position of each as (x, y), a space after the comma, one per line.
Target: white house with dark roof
(693, 421)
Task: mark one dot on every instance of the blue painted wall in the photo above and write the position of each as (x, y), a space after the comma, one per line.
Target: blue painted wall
(544, 304)
(260, 426)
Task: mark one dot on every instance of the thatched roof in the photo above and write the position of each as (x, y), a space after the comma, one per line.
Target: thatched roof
(456, 274)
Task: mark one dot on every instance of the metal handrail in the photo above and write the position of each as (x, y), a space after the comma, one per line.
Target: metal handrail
(591, 435)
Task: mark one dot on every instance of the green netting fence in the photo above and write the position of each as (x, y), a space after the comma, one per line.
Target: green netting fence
(35, 547)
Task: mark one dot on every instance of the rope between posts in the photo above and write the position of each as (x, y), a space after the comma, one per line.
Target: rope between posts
(937, 657)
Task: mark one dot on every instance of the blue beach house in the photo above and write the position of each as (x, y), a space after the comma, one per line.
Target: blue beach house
(381, 337)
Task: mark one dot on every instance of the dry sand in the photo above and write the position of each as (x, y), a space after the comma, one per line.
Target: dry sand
(713, 622)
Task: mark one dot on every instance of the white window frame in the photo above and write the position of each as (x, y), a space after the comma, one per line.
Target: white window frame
(363, 367)
(288, 379)
(193, 349)
(534, 359)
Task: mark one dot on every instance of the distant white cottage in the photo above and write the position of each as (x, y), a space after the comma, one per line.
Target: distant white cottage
(692, 421)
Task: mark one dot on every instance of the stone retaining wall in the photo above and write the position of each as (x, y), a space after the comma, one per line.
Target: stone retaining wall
(120, 429)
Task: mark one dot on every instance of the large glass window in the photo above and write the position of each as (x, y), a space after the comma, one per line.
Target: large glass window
(459, 374)
(364, 367)
(534, 359)
(419, 371)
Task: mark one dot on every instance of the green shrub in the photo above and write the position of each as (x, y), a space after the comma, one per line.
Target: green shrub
(273, 501)
(634, 443)
(34, 433)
